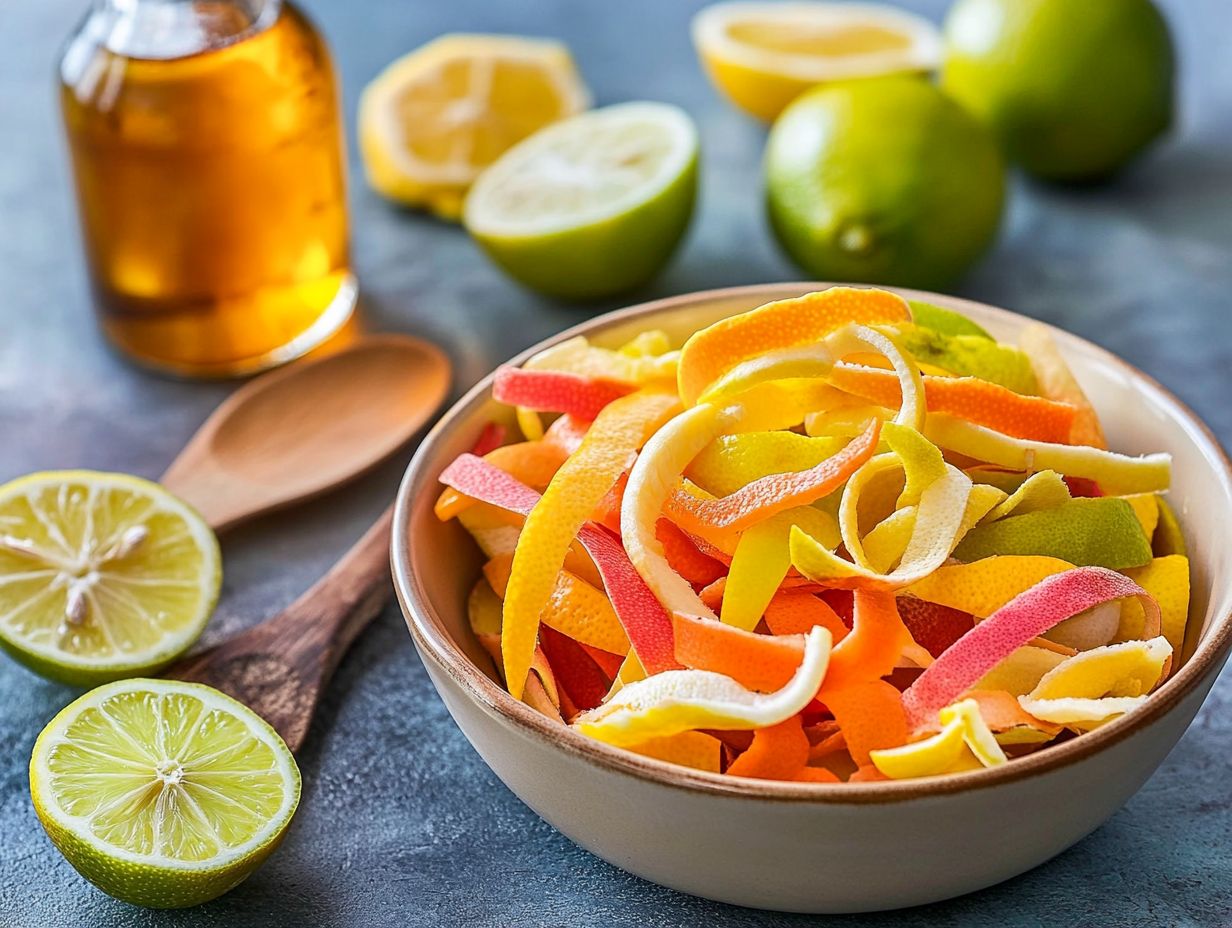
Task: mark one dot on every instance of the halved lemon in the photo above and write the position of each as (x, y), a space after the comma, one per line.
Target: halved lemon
(162, 793)
(435, 118)
(102, 576)
(764, 55)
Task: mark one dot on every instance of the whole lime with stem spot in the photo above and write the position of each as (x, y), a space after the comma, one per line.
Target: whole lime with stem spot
(1073, 89)
(883, 181)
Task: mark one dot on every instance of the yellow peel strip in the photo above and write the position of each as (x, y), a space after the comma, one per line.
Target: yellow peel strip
(1093, 686)
(1115, 473)
(651, 481)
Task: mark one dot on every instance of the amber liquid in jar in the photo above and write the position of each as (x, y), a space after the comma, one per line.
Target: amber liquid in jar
(208, 156)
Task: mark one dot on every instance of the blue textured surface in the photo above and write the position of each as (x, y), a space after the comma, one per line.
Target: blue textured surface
(401, 823)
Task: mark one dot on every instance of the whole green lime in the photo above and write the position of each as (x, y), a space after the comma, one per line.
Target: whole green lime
(1073, 89)
(884, 181)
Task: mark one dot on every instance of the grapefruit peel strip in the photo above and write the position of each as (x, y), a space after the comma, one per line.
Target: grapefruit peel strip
(645, 621)
(555, 391)
(1028, 615)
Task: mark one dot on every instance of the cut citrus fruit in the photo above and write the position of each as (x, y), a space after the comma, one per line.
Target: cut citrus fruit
(764, 55)
(593, 205)
(162, 793)
(435, 118)
(102, 576)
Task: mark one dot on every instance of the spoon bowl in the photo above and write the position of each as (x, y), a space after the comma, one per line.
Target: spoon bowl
(302, 430)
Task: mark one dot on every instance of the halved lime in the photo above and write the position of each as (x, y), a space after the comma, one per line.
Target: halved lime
(592, 205)
(162, 793)
(102, 576)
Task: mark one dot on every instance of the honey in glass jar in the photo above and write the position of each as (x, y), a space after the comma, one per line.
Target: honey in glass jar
(207, 150)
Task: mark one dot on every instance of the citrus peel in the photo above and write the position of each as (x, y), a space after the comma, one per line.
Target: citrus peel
(1029, 614)
(686, 700)
(983, 579)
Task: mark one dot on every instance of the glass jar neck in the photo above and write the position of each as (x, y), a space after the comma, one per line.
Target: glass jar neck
(163, 29)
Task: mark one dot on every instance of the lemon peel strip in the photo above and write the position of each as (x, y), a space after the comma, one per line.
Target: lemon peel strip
(686, 700)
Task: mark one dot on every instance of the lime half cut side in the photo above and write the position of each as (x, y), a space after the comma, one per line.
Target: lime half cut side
(162, 793)
(591, 205)
(102, 576)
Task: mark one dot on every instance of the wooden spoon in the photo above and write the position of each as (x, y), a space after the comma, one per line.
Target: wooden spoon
(275, 442)
(309, 427)
(279, 667)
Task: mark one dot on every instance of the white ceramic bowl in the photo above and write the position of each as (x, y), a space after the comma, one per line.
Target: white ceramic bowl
(818, 847)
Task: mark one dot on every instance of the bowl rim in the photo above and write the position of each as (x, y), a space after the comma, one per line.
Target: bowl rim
(434, 642)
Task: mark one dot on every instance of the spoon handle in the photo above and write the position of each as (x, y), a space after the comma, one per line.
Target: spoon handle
(280, 667)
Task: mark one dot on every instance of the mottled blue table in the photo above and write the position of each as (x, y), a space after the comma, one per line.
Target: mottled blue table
(401, 823)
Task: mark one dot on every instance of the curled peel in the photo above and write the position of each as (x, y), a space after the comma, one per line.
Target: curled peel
(651, 482)
(773, 493)
(817, 361)
(937, 529)
(979, 401)
(962, 727)
(1115, 473)
(1094, 686)
(713, 351)
(686, 700)
(1028, 615)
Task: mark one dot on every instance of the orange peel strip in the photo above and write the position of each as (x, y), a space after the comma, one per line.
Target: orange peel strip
(970, 398)
(684, 557)
(779, 752)
(872, 649)
(774, 493)
(870, 715)
(716, 349)
(794, 612)
(759, 662)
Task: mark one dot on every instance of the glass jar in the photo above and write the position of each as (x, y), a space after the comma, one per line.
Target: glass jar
(207, 149)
